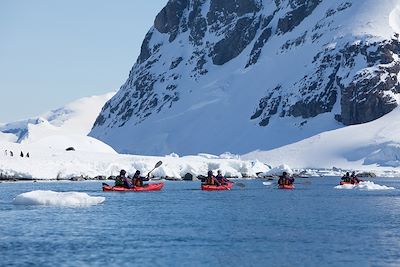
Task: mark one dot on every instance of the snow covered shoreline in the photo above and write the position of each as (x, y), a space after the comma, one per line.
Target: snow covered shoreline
(50, 164)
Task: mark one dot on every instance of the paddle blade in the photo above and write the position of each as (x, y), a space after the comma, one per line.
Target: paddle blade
(158, 164)
(104, 184)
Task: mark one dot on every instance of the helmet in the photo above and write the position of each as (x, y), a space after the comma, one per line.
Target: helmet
(137, 172)
(210, 173)
(347, 173)
(219, 171)
(122, 172)
(284, 173)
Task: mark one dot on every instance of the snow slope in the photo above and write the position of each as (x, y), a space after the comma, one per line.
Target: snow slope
(371, 145)
(61, 128)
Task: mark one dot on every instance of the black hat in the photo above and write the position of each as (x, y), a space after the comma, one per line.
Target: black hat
(122, 172)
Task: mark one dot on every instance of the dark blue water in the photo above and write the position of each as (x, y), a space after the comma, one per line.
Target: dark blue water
(314, 225)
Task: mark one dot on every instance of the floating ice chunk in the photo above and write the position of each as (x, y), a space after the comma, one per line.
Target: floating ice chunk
(267, 183)
(51, 198)
(367, 185)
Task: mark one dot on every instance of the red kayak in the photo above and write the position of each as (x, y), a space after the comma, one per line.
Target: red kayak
(286, 186)
(344, 183)
(148, 187)
(207, 187)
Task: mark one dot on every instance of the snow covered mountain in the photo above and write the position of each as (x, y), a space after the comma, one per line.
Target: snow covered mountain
(372, 145)
(241, 75)
(60, 128)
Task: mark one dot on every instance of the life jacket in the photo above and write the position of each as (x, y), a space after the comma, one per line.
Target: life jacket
(119, 181)
(137, 181)
(210, 180)
(284, 180)
(346, 179)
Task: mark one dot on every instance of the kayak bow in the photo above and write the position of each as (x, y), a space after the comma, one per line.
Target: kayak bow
(286, 186)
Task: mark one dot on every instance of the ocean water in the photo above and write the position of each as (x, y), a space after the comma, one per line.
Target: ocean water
(258, 225)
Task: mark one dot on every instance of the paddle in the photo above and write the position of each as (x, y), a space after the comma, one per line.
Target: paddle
(158, 164)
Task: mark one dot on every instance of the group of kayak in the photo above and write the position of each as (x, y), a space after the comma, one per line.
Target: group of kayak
(209, 182)
(136, 183)
(286, 182)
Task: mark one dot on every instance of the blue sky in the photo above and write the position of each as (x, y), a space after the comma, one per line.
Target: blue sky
(53, 52)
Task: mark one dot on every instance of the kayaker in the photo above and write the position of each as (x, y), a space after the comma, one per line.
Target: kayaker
(354, 178)
(138, 180)
(221, 179)
(122, 180)
(119, 180)
(285, 179)
(210, 180)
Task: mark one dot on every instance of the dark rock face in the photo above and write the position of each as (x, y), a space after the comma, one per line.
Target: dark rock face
(259, 44)
(368, 96)
(145, 51)
(197, 23)
(227, 10)
(236, 41)
(301, 10)
(237, 37)
(168, 20)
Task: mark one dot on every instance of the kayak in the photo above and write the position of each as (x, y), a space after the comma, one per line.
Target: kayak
(148, 187)
(286, 186)
(344, 183)
(208, 187)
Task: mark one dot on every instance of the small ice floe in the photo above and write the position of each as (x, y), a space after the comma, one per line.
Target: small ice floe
(51, 198)
(267, 183)
(366, 185)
